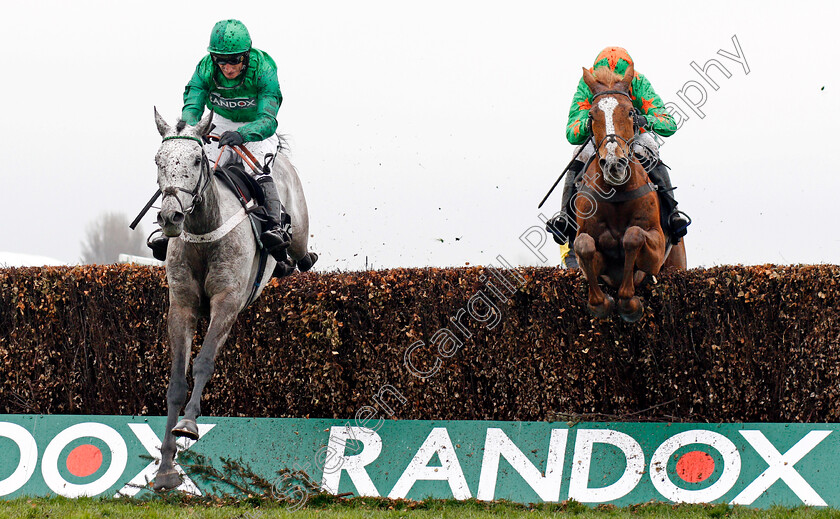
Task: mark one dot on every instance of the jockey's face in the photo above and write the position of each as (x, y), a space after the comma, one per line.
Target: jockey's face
(231, 71)
(231, 65)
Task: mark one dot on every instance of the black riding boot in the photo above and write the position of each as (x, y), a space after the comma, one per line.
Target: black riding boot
(563, 226)
(158, 242)
(675, 221)
(277, 236)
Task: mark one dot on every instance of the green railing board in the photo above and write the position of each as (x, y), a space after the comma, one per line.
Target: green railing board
(758, 465)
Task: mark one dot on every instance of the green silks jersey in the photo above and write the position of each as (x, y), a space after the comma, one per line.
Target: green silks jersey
(253, 99)
(644, 99)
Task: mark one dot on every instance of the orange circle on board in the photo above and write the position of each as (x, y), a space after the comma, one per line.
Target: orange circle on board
(695, 466)
(84, 460)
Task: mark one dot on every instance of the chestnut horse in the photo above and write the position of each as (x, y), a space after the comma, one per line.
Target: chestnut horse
(620, 237)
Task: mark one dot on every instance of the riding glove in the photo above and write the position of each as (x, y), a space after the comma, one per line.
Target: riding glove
(639, 120)
(231, 139)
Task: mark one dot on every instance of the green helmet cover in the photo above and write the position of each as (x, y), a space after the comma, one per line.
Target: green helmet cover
(229, 37)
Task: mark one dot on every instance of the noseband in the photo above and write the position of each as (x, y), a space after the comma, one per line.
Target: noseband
(197, 193)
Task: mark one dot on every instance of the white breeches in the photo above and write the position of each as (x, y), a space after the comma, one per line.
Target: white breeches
(264, 150)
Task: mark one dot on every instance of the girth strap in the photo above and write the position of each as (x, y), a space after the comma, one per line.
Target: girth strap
(258, 277)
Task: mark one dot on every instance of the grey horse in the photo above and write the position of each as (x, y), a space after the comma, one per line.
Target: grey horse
(211, 265)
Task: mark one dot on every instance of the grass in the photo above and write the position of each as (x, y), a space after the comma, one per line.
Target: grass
(328, 507)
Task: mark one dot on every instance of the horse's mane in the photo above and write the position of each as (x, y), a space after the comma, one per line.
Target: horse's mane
(606, 77)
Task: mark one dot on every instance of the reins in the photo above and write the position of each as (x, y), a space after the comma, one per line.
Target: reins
(244, 153)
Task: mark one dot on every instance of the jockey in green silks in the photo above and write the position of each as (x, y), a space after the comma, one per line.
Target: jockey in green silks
(653, 117)
(239, 83)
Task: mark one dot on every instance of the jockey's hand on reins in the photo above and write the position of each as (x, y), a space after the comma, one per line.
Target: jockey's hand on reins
(639, 120)
(231, 138)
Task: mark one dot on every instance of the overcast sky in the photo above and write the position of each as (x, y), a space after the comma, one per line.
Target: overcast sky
(426, 133)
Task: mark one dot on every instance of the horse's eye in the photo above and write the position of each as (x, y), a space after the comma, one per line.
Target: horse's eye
(197, 161)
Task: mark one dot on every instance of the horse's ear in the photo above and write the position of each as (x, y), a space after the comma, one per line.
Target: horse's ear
(162, 127)
(204, 124)
(589, 79)
(628, 76)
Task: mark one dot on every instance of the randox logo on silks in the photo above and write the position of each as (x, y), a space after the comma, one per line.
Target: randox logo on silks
(232, 103)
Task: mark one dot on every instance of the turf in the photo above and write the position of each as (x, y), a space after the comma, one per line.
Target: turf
(84, 508)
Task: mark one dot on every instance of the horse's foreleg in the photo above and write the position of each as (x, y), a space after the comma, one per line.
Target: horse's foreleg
(181, 323)
(630, 307)
(223, 311)
(592, 263)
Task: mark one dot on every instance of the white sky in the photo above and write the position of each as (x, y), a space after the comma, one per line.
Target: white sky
(415, 122)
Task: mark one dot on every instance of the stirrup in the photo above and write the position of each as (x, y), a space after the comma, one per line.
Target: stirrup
(158, 244)
(681, 230)
(560, 228)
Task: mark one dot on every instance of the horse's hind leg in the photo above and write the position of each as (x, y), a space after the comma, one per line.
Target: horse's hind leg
(676, 259)
(306, 262)
(291, 193)
(182, 322)
(223, 311)
(592, 263)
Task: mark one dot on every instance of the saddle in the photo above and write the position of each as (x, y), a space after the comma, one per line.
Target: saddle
(242, 184)
(246, 188)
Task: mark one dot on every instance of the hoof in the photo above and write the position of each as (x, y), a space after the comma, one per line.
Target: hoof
(167, 480)
(631, 310)
(306, 262)
(604, 309)
(186, 429)
(641, 277)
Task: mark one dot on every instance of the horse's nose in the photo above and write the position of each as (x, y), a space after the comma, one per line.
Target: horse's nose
(173, 217)
(603, 164)
(622, 163)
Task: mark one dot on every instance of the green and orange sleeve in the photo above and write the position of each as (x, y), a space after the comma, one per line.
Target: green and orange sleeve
(644, 98)
(651, 106)
(577, 130)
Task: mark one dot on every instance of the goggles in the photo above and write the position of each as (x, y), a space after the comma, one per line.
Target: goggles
(228, 59)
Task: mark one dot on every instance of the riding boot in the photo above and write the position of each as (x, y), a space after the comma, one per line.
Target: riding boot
(158, 242)
(277, 235)
(563, 227)
(673, 220)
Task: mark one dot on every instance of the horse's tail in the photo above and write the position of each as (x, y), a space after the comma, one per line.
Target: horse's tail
(282, 143)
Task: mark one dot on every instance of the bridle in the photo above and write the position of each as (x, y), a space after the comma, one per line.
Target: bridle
(204, 178)
(623, 196)
(627, 146)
